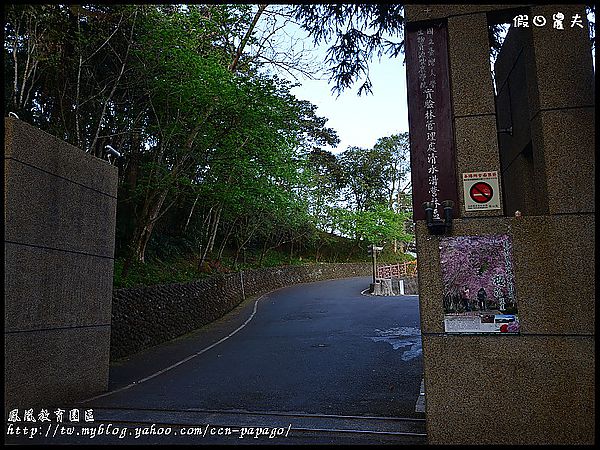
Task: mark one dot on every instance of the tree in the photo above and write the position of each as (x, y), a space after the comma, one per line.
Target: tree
(360, 31)
(369, 203)
(276, 50)
(373, 176)
(66, 69)
(185, 80)
(214, 147)
(376, 225)
(214, 121)
(323, 185)
(394, 152)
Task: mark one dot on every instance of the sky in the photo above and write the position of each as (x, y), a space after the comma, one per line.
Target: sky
(360, 121)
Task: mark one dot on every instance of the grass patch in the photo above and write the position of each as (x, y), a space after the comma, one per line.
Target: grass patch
(179, 270)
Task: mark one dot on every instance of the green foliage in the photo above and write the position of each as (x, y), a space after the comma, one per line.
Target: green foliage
(377, 225)
(179, 270)
(365, 177)
(222, 167)
(176, 266)
(359, 32)
(363, 193)
(373, 176)
(64, 61)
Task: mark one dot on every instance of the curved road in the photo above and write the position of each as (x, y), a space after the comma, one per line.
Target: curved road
(315, 352)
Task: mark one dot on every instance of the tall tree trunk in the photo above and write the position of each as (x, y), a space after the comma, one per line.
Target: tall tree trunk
(114, 88)
(145, 228)
(263, 253)
(144, 236)
(133, 166)
(147, 222)
(244, 41)
(151, 212)
(187, 222)
(242, 244)
(214, 225)
(226, 238)
(237, 254)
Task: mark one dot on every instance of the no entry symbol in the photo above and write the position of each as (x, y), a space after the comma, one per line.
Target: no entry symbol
(481, 192)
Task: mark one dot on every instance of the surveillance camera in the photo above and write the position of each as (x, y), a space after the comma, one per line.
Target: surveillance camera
(111, 151)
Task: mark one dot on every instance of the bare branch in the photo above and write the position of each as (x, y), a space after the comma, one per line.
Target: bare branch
(106, 41)
(240, 50)
(115, 84)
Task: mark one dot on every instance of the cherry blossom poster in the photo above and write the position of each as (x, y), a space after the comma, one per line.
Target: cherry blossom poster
(479, 289)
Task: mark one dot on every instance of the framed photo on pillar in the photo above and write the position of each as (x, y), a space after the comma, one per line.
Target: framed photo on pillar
(479, 287)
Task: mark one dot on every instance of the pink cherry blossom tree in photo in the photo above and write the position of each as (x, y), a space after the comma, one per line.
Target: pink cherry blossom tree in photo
(475, 262)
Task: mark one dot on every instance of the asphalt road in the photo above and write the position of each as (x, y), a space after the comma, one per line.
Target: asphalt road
(310, 357)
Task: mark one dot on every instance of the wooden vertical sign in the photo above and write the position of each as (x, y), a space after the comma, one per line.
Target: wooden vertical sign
(430, 117)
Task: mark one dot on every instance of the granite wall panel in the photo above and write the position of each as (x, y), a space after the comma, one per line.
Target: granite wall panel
(60, 211)
(535, 387)
(57, 288)
(50, 368)
(46, 210)
(509, 390)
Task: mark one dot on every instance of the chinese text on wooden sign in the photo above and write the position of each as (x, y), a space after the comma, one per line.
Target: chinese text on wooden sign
(430, 117)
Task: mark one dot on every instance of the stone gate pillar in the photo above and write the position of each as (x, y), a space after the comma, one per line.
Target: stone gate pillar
(514, 365)
(59, 218)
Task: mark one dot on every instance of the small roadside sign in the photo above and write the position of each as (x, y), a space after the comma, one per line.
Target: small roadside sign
(481, 190)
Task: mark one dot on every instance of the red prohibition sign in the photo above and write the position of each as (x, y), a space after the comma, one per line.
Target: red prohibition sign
(481, 192)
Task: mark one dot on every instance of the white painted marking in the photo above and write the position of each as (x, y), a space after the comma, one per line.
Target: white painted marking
(420, 405)
(401, 337)
(160, 372)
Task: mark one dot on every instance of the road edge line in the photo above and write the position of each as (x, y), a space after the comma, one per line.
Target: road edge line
(160, 372)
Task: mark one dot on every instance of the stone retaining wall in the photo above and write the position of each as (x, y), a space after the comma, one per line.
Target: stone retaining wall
(147, 316)
(411, 285)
